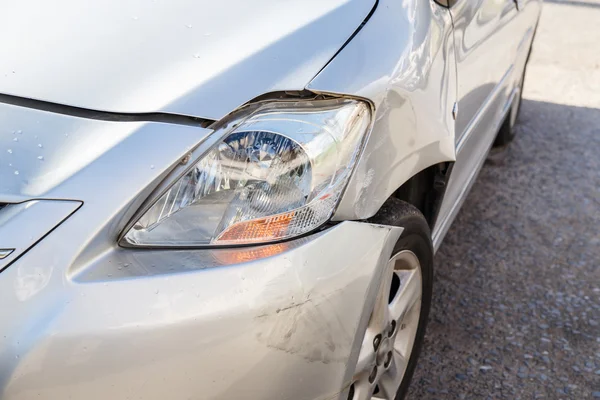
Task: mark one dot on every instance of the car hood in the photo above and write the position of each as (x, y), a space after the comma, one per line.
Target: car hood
(200, 58)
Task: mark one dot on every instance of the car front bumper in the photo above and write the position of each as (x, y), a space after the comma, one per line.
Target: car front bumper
(283, 321)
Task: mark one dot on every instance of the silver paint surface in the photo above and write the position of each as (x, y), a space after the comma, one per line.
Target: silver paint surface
(23, 224)
(52, 156)
(194, 57)
(493, 41)
(83, 318)
(411, 79)
(284, 326)
(480, 26)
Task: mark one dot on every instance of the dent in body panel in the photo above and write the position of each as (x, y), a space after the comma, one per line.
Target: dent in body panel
(291, 318)
(403, 61)
(293, 329)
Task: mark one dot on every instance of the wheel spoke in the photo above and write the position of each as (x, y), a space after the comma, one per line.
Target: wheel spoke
(405, 336)
(408, 293)
(363, 390)
(391, 380)
(391, 329)
(366, 358)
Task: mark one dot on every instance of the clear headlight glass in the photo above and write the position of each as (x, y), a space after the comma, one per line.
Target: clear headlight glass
(278, 172)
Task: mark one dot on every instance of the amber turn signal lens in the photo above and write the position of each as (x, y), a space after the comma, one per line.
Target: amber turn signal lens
(266, 228)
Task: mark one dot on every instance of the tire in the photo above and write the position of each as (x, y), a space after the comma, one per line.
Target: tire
(416, 237)
(506, 134)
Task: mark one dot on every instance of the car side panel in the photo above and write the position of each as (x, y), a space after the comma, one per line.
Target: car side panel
(490, 59)
(486, 42)
(403, 61)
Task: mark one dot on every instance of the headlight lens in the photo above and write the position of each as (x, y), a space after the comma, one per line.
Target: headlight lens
(278, 172)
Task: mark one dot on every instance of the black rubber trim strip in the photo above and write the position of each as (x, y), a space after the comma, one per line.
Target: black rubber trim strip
(367, 18)
(104, 115)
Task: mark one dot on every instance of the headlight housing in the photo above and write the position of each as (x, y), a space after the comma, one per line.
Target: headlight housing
(277, 172)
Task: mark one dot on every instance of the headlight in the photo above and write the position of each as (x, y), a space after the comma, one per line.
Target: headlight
(278, 172)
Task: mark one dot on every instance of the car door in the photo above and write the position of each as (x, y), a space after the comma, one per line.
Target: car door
(486, 40)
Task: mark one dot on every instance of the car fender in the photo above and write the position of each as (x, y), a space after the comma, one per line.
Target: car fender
(402, 60)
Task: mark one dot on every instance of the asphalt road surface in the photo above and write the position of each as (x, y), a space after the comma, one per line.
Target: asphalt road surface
(516, 310)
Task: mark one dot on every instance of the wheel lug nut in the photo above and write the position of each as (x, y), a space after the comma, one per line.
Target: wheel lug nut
(388, 359)
(373, 375)
(392, 329)
(377, 341)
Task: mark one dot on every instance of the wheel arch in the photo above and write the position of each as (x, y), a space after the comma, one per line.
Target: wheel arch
(425, 191)
(422, 185)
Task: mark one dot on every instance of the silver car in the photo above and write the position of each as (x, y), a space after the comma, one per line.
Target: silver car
(238, 199)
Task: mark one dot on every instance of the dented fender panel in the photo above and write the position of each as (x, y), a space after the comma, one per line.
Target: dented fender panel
(407, 69)
(281, 321)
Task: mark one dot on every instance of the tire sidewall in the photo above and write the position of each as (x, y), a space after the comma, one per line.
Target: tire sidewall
(416, 237)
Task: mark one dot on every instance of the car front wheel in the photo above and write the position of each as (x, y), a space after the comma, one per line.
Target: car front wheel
(396, 329)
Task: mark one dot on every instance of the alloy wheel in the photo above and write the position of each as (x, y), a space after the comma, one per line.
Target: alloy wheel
(390, 335)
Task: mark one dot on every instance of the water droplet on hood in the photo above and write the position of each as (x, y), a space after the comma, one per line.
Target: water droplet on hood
(16, 172)
(16, 139)
(40, 145)
(188, 25)
(9, 151)
(196, 55)
(40, 157)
